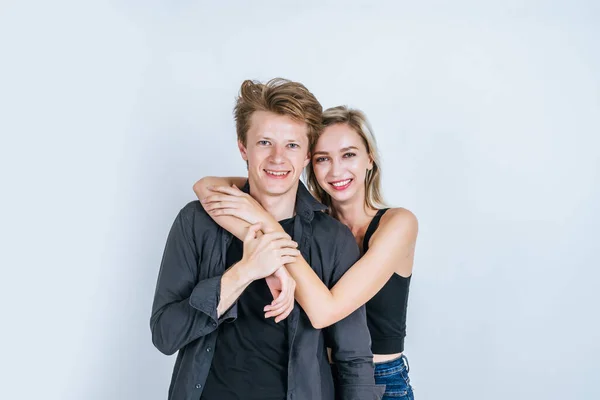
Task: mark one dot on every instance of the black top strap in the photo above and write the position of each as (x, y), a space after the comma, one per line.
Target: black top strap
(372, 227)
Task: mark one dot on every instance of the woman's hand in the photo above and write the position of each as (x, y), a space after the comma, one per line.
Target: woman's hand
(282, 287)
(233, 202)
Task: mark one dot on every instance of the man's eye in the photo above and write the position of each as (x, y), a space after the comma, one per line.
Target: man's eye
(294, 145)
(263, 142)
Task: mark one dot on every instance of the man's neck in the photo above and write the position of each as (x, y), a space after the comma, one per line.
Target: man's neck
(280, 207)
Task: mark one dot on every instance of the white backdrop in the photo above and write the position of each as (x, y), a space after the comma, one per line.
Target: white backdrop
(488, 118)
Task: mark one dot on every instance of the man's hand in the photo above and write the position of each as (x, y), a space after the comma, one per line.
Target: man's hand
(266, 254)
(282, 287)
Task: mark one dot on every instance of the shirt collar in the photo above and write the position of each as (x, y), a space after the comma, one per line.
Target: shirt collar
(306, 204)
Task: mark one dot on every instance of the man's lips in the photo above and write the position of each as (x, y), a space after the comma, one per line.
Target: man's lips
(276, 174)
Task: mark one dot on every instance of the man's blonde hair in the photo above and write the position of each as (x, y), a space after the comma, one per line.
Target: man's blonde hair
(279, 96)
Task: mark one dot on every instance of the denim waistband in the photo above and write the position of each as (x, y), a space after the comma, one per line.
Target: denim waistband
(400, 362)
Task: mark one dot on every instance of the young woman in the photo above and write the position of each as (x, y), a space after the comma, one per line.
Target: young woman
(344, 174)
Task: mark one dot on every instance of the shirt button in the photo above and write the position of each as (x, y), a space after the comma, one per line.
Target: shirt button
(208, 349)
(214, 324)
(198, 386)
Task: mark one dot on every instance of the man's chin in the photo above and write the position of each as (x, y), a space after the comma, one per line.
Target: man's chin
(276, 190)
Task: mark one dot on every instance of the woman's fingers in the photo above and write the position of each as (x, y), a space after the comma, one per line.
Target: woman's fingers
(252, 231)
(216, 205)
(283, 305)
(286, 313)
(220, 197)
(231, 190)
(278, 311)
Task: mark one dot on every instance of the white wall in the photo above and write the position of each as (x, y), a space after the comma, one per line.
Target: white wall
(488, 118)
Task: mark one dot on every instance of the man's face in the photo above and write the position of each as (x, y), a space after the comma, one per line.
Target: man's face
(276, 151)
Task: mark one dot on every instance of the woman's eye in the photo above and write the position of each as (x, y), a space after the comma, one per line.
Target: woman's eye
(348, 155)
(320, 159)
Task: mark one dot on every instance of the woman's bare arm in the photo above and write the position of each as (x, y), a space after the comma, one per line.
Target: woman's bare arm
(391, 249)
(234, 225)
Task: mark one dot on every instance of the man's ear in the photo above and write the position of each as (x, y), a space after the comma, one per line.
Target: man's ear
(307, 159)
(243, 151)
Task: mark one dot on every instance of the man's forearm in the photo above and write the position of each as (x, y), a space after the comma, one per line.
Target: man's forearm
(233, 284)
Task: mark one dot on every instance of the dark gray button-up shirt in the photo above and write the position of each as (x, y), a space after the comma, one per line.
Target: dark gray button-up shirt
(184, 312)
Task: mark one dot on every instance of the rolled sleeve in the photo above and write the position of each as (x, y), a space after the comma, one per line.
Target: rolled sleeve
(205, 298)
(183, 309)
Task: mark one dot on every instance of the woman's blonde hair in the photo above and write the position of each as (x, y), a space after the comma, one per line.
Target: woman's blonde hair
(356, 120)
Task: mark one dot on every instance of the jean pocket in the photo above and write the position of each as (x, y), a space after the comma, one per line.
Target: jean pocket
(404, 375)
(395, 391)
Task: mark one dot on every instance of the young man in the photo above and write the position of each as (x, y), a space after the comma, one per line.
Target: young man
(211, 293)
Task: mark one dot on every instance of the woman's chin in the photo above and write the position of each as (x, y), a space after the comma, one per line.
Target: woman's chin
(340, 197)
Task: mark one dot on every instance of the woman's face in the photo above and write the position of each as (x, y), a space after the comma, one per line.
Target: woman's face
(340, 162)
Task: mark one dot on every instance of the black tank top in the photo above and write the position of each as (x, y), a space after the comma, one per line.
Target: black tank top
(386, 311)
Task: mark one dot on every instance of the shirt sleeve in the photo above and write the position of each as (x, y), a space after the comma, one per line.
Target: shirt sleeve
(184, 308)
(349, 338)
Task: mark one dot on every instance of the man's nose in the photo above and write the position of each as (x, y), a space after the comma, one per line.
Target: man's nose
(277, 155)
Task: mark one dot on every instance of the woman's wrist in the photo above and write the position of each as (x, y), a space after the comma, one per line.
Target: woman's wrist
(270, 224)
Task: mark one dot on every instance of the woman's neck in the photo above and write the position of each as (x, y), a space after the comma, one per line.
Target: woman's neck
(355, 214)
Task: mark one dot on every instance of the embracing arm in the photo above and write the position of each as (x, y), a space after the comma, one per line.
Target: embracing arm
(235, 211)
(391, 249)
(234, 225)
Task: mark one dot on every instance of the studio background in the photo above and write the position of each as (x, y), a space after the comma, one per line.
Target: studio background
(487, 115)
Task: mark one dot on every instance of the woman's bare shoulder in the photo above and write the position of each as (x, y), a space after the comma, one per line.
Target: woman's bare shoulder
(397, 222)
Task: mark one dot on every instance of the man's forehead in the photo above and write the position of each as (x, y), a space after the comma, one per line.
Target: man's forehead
(264, 123)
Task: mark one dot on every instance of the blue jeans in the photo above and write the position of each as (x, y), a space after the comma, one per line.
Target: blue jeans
(394, 375)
